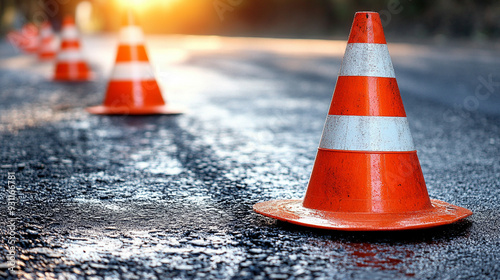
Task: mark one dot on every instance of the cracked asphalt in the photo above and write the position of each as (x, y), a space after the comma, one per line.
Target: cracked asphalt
(170, 197)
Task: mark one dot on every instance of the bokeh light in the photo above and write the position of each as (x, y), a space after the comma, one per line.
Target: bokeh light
(144, 5)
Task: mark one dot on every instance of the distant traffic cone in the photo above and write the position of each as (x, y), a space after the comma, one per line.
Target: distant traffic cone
(26, 39)
(133, 89)
(70, 65)
(48, 43)
(366, 175)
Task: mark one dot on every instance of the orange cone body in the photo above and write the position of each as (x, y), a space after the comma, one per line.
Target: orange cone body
(48, 43)
(133, 88)
(25, 40)
(70, 65)
(366, 175)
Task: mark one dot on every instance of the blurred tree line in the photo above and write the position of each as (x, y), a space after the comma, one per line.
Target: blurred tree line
(467, 19)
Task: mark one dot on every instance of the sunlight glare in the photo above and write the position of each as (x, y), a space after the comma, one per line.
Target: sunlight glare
(145, 4)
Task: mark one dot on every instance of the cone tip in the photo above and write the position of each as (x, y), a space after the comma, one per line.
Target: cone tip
(129, 18)
(367, 28)
(366, 12)
(68, 20)
(367, 16)
(46, 24)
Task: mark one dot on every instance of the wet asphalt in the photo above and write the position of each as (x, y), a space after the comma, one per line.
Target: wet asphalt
(170, 197)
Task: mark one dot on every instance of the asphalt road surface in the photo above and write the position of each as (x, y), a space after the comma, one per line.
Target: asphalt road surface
(162, 197)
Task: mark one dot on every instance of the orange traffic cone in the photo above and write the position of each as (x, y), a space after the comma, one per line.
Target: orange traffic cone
(366, 175)
(133, 89)
(70, 65)
(48, 43)
(25, 40)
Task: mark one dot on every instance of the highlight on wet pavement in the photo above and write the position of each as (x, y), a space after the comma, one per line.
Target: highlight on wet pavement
(171, 196)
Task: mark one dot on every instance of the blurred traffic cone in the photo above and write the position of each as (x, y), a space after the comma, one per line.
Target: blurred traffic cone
(70, 65)
(26, 39)
(133, 88)
(48, 43)
(366, 175)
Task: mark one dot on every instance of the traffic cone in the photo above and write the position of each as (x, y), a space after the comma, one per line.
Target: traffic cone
(366, 175)
(133, 89)
(48, 43)
(26, 39)
(70, 65)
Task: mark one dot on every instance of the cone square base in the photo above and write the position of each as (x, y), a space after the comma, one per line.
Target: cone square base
(292, 211)
(152, 110)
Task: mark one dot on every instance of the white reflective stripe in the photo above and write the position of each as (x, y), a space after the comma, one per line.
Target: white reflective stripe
(45, 33)
(132, 70)
(131, 35)
(49, 44)
(69, 55)
(69, 33)
(367, 133)
(364, 59)
(48, 47)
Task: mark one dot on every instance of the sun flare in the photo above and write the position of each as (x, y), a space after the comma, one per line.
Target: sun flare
(145, 4)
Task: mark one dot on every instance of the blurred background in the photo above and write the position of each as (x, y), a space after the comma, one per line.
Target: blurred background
(477, 21)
